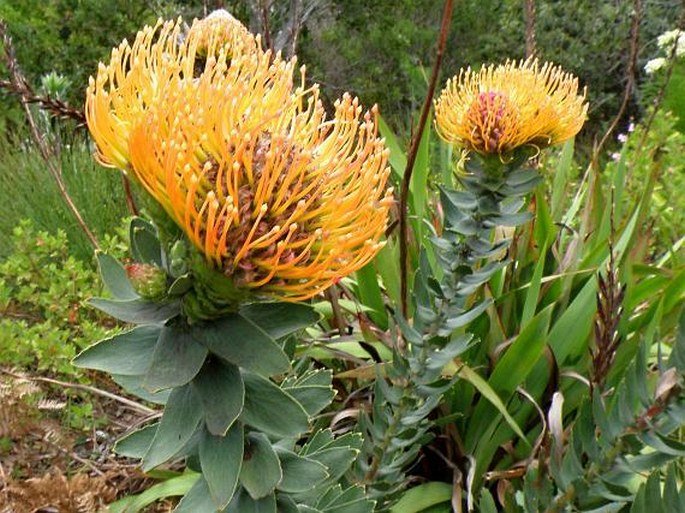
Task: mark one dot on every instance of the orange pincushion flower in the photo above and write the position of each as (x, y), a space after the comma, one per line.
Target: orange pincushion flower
(277, 197)
(137, 75)
(503, 107)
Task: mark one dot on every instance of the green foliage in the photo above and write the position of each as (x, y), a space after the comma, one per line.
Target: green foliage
(42, 290)
(507, 398)
(657, 155)
(374, 49)
(28, 191)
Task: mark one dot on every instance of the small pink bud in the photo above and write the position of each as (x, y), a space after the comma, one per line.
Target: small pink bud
(148, 280)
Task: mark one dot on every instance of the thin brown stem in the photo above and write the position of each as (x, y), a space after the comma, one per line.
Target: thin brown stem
(56, 108)
(413, 150)
(529, 12)
(630, 79)
(264, 6)
(128, 193)
(20, 84)
(86, 388)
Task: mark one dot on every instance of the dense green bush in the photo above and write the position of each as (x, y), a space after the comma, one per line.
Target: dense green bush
(43, 319)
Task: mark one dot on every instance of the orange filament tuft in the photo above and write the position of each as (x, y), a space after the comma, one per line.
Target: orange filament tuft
(500, 108)
(277, 196)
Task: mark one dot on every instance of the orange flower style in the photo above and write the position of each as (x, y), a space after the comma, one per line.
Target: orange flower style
(501, 108)
(278, 197)
(138, 73)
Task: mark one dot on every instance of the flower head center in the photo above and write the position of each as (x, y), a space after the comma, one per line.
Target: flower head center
(491, 116)
(266, 225)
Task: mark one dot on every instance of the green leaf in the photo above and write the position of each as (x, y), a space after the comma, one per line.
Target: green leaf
(300, 474)
(128, 353)
(271, 409)
(137, 311)
(174, 487)
(177, 358)
(545, 231)
(467, 373)
(561, 174)
(134, 385)
(423, 496)
(397, 159)
(370, 295)
(221, 458)
(487, 503)
(115, 278)
(222, 394)
(312, 398)
(418, 187)
(243, 343)
(136, 444)
(533, 293)
(197, 500)
(243, 503)
(179, 421)
(280, 319)
(520, 358)
(569, 334)
(261, 470)
(145, 246)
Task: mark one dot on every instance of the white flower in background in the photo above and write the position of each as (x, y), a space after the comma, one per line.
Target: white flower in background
(668, 39)
(654, 65)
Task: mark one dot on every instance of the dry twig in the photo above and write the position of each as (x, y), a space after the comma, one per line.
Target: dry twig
(27, 97)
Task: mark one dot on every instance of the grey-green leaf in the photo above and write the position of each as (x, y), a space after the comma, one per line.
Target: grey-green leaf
(136, 444)
(137, 311)
(179, 421)
(145, 246)
(115, 278)
(240, 341)
(128, 353)
(261, 470)
(299, 474)
(243, 503)
(280, 319)
(134, 385)
(271, 409)
(221, 459)
(177, 358)
(197, 500)
(222, 393)
(312, 398)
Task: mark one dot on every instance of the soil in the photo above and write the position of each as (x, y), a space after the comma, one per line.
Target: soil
(53, 462)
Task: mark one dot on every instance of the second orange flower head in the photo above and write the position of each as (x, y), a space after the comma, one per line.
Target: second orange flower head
(501, 108)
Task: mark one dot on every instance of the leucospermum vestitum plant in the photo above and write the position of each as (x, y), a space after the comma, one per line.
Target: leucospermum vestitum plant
(501, 108)
(255, 194)
(499, 118)
(277, 197)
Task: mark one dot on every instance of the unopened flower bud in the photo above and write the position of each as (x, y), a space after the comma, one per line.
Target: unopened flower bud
(148, 280)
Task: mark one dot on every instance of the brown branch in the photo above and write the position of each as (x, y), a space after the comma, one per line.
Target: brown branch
(20, 84)
(413, 150)
(130, 202)
(264, 9)
(529, 13)
(86, 388)
(56, 108)
(630, 79)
